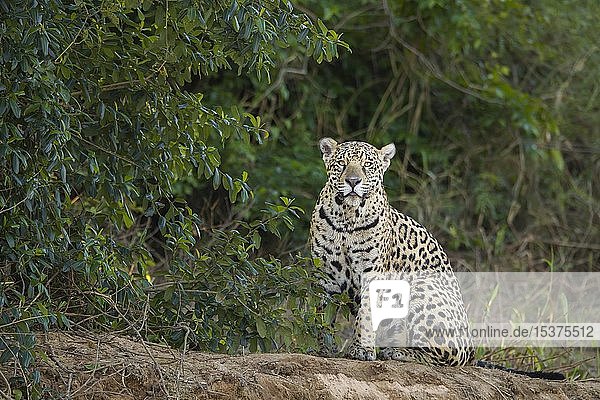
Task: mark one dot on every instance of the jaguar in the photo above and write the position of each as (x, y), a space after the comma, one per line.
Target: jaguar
(354, 230)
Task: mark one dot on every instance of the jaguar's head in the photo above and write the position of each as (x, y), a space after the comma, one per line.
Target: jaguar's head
(355, 169)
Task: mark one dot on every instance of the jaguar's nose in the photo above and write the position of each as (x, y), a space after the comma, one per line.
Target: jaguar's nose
(353, 181)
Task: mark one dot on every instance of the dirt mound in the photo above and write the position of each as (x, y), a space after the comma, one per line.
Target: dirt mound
(110, 367)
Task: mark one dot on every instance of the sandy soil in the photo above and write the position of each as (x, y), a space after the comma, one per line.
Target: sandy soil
(110, 367)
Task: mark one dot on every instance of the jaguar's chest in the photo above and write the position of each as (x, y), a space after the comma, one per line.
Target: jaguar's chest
(355, 251)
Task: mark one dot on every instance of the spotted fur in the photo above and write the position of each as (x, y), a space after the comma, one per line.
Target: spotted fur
(355, 230)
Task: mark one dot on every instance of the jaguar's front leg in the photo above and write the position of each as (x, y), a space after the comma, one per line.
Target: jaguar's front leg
(362, 346)
(325, 338)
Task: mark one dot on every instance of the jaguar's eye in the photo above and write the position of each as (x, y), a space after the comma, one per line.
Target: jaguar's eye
(368, 164)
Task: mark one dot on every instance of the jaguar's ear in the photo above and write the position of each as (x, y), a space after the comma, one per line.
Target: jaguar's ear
(388, 153)
(327, 146)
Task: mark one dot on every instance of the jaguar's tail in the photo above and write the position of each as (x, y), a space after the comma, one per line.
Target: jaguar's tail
(551, 376)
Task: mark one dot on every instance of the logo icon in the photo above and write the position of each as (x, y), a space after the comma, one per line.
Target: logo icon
(389, 299)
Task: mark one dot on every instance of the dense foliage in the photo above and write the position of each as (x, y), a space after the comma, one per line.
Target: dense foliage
(97, 127)
(150, 153)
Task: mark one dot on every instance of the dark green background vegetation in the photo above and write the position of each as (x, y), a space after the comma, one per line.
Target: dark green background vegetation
(150, 152)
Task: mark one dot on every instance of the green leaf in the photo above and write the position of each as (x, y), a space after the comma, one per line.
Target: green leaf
(557, 158)
(256, 239)
(261, 328)
(10, 240)
(15, 164)
(261, 25)
(216, 179)
(168, 293)
(322, 26)
(14, 107)
(127, 219)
